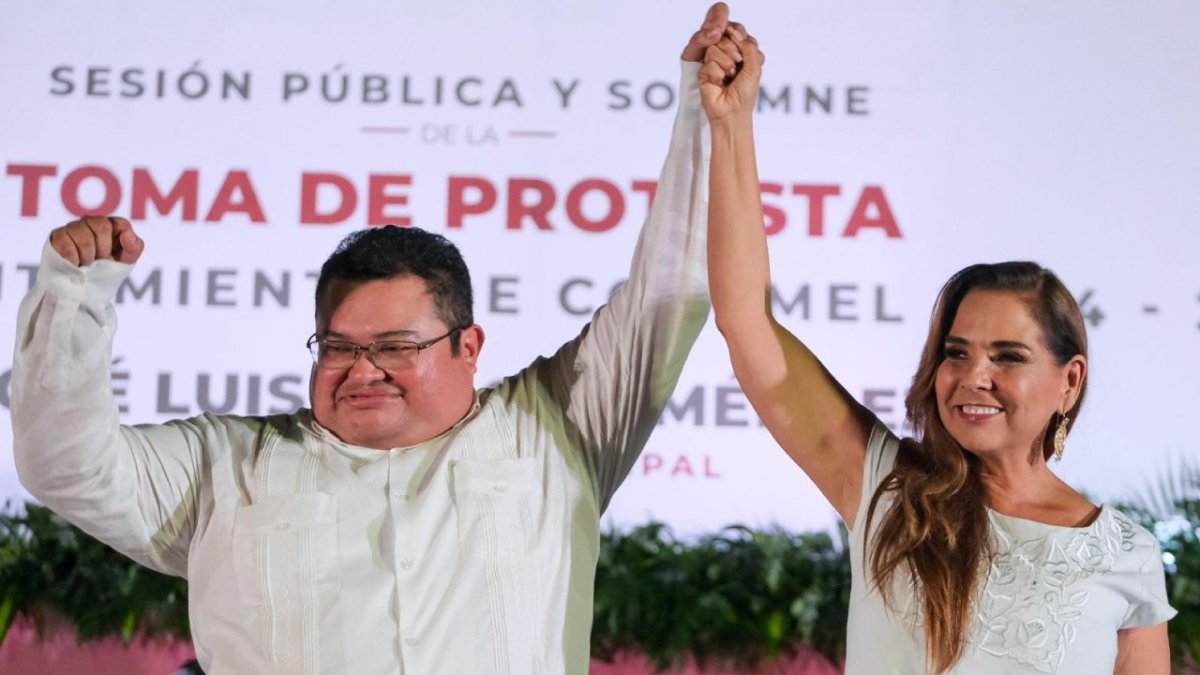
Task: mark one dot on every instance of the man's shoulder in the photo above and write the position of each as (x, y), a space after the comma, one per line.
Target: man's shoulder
(523, 388)
(246, 428)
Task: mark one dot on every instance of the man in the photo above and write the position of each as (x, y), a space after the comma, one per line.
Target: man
(407, 523)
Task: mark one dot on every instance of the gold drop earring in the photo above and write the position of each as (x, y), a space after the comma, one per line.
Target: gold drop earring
(1060, 437)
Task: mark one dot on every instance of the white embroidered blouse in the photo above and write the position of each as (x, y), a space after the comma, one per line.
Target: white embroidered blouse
(1053, 601)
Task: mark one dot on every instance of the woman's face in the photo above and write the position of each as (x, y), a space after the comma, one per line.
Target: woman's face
(998, 384)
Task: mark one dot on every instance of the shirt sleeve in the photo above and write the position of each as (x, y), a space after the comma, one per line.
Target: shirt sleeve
(613, 381)
(131, 487)
(1149, 606)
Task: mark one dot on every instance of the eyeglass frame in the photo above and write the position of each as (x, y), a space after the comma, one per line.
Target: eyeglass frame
(370, 349)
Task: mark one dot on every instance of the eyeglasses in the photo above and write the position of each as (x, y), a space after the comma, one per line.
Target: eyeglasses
(385, 354)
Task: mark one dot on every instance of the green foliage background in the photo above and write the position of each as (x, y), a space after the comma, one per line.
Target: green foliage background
(736, 597)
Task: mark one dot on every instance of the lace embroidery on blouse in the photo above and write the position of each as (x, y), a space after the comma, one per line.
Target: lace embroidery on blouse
(1035, 588)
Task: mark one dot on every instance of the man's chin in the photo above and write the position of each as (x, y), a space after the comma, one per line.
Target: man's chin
(367, 426)
(374, 441)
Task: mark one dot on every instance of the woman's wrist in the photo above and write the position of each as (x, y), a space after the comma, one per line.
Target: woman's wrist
(734, 127)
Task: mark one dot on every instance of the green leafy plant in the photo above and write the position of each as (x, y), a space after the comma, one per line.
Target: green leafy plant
(1170, 508)
(735, 597)
(52, 571)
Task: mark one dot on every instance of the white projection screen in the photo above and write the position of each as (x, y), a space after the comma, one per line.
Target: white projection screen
(898, 143)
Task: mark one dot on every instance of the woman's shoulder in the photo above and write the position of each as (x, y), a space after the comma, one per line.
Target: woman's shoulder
(882, 448)
(1132, 537)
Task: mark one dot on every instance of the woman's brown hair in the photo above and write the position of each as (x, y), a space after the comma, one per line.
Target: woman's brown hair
(936, 527)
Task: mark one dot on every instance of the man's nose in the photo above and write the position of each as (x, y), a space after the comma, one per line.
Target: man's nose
(363, 367)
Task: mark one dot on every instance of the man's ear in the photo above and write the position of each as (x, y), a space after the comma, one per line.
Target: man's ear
(470, 343)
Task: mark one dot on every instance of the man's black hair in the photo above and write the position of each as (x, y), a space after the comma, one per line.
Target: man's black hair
(388, 252)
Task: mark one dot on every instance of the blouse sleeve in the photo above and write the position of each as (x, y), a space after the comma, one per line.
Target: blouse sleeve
(881, 457)
(1149, 606)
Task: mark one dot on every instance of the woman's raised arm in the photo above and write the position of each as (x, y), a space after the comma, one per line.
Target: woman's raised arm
(810, 415)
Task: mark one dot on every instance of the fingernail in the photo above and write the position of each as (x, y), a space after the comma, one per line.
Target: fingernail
(737, 34)
(737, 56)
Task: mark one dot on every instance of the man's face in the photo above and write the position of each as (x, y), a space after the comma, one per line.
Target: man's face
(373, 408)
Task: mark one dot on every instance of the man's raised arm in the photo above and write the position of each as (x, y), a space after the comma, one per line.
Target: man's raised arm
(616, 378)
(131, 489)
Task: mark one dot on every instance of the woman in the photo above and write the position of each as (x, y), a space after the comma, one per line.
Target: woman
(969, 555)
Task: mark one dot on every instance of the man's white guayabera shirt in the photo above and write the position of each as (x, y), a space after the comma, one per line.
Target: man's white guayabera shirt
(473, 552)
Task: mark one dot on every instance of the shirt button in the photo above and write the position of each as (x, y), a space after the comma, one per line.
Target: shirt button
(499, 488)
(411, 641)
(281, 527)
(406, 564)
(399, 496)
